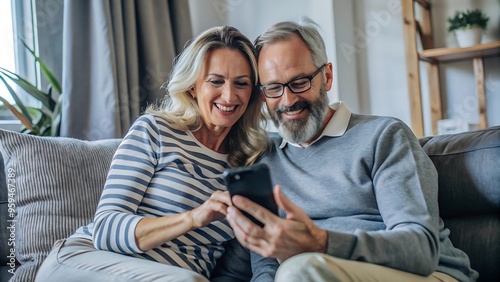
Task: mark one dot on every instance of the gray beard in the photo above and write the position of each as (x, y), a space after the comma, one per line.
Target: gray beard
(302, 130)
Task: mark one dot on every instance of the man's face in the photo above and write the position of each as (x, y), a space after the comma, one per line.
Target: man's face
(298, 117)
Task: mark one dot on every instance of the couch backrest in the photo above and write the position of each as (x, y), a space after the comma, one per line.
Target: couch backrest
(468, 166)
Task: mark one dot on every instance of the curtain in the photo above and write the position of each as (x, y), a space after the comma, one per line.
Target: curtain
(116, 55)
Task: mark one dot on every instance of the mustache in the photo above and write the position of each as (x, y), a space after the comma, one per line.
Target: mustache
(296, 106)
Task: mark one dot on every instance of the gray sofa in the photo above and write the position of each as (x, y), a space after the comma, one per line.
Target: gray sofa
(52, 186)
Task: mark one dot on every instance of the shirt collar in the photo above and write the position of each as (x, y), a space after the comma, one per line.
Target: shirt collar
(337, 125)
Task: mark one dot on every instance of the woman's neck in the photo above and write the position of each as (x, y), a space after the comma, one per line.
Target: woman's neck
(213, 139)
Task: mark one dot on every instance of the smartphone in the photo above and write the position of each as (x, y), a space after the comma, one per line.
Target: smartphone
(254, 183)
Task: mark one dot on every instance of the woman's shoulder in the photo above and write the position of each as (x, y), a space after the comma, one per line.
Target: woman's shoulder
(153, 119)
(158, 123)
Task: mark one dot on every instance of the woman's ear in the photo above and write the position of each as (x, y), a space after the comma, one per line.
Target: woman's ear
(192, 92)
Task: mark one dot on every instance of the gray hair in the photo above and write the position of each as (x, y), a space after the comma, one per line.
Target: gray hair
(306, 29)
(247, 140)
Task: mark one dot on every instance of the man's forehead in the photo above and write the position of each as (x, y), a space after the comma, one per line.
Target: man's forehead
(291, 43)
(283, 60)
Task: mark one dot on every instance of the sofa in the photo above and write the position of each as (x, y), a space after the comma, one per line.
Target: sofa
(49, 186)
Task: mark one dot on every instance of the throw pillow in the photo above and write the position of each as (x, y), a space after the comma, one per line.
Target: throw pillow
(56, 183)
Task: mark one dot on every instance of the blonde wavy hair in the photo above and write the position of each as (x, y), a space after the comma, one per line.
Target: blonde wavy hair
(247, 139)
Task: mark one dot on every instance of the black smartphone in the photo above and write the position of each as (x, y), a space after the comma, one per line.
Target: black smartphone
(254, 183)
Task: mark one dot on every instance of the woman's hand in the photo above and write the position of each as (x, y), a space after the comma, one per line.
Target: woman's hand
(215, 208)
(152, 232)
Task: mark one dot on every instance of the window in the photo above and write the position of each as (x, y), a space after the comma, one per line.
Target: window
(16, 21)
(7, 60)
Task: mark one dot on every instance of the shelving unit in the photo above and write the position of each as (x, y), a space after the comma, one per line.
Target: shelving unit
(432, 57)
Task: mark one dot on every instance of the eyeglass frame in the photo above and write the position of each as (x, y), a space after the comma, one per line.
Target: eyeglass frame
(287, 84)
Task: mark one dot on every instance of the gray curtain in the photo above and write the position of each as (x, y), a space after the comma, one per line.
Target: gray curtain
(116, 56)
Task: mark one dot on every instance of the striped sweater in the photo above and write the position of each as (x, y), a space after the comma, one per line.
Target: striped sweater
(158, 171)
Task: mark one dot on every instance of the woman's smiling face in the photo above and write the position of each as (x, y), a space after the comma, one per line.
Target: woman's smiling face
(223, 89)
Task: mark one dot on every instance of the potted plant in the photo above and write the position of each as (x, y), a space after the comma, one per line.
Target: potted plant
(44, 120)
(468, 26)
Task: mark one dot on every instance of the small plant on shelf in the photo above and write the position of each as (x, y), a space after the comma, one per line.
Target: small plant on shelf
(468, 26)
(468, 19)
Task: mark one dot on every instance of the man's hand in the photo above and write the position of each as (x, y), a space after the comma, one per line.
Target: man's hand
(279, 238)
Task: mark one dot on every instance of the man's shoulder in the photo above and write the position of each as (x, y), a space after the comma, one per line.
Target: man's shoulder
(375, 123)
(380, 129)
(370, 120)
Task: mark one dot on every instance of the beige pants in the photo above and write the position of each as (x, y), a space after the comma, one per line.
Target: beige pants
(77, 260)
(320, 267)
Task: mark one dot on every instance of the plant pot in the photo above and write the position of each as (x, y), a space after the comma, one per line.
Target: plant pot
(468, 37)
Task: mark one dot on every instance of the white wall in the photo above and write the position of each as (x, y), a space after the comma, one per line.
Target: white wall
(381, 58)
(364, 40)
(382, 65)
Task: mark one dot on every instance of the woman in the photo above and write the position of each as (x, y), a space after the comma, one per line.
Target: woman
(161, 214)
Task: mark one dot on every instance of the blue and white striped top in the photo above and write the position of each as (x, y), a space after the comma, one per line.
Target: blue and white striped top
(158, 171)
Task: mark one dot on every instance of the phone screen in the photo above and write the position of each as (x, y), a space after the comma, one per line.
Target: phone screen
(254, 183)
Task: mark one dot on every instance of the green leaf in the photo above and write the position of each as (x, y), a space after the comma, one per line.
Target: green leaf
(46, 111)
(36, 114)
(44, 125)
(467, 19)
(52, 101)
(56, 117)
(33, 131)
(20, 104)
(25, 122)
(27, 86)
(49, 75)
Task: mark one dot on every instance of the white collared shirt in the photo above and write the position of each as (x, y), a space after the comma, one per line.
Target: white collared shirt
(336, 126)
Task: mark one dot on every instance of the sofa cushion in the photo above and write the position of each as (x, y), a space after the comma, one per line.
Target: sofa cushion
(469, 196)
(51, 177)
(467, 165)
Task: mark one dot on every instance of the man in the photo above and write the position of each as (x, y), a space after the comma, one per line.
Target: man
(361, 194)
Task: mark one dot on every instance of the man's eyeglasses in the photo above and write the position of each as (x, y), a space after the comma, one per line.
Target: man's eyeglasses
(297, 85)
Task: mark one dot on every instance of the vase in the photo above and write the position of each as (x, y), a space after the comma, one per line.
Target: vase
(468, 37)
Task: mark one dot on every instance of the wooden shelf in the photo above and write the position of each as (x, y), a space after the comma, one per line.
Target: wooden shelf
(421, 28)
(457, 54)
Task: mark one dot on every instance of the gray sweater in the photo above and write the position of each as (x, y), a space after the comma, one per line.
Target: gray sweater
(375, 191)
